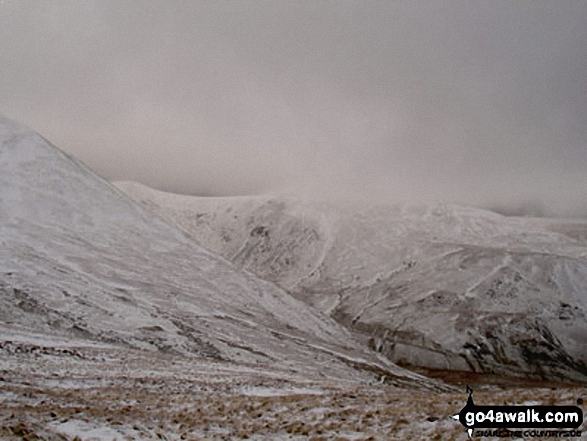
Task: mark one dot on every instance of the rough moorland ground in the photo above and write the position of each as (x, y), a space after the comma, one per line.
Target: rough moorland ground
(53, 392)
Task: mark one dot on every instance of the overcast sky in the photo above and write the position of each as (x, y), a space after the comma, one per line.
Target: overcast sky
(479, 102)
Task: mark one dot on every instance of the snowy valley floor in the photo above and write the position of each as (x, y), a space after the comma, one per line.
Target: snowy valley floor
(59, 390)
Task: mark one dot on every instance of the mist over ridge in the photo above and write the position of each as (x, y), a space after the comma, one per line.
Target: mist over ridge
(474, 103)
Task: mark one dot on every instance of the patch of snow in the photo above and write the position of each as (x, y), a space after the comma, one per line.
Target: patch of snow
(93, 431)
(258, 391)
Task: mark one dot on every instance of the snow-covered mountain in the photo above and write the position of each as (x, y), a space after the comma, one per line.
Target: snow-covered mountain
(440, 286)
(79, 259)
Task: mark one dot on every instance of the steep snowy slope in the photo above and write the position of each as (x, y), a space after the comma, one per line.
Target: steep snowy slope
(79, 259)
(439, 286)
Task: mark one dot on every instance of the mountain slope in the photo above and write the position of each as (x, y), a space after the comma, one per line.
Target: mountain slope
(441, 286)
(79, 259)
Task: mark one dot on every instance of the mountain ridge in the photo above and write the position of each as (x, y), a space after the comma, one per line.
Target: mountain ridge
(80, 259)
(441, 286)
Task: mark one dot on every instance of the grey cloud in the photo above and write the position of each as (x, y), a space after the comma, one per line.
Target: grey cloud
(478, 102)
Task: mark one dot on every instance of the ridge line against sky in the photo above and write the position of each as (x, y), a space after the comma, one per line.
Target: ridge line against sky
(482, 102)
